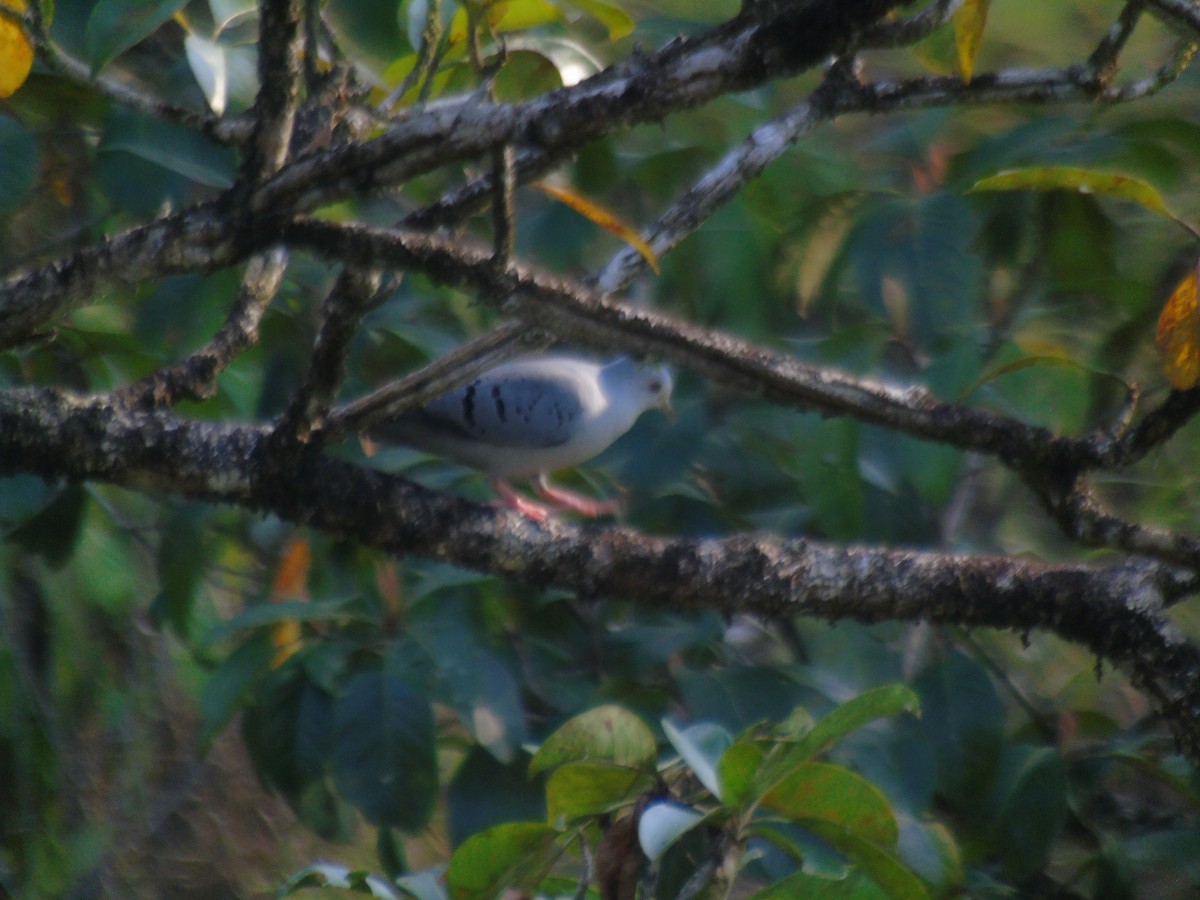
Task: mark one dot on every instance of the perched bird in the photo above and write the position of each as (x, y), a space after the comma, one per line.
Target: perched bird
(532, 416)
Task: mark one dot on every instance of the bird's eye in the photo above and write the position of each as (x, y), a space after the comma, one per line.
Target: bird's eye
(655, 386)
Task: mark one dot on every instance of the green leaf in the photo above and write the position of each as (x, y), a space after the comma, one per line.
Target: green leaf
(878, 703)
(261, 614)
(961, 718)
(426, 884)
(583, 789)
(54, 530)
(329, 875)
(1083, 181)
(1030, 806)
(209, 65)
(230, 684)
(287, 733)
(486, 792)
(609, 733)
(516, 854)
(19, 173)
(822, 792)
(180, 561)
(969, 21)
(701, 746)
(618, 22)
(116, 25)
(662, 824)
(286, 729)
(880, 865)
(171, 147)
(737, 773)
(477, 682)
(819, 887)
(384, 755)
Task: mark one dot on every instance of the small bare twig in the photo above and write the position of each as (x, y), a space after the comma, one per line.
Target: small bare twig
(194, 377)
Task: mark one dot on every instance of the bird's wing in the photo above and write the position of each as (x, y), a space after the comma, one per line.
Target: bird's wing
(512, 410)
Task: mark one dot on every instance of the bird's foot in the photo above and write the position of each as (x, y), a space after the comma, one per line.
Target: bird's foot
(529, 508)
(565, 499)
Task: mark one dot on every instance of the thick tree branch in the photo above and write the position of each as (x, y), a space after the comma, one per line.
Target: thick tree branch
(578, 315)
(226, 130)
(1115, 611)
(210, 237)
(280, 71)
(1179, 12)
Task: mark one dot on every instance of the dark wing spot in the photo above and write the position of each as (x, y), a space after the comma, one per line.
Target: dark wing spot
(468, 406)
(498, 399)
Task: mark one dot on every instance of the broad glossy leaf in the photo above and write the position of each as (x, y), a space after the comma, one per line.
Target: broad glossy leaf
(171, 147)
(820, 887)
(384, 758)
(330, 875)
(662, 824)
(516, 854)
(878, 703)
(822, 792)
(1178, 334)
(588, 788)
(737, 772)
(426, 884)
(16, 53)
(736, 696)
(512, 15)
(471, 676)
(618, 22)
(370, 28)
(180, 562)
(228, 13)
(970, 20)
(929, 849)
(1085, 181)
(609, 733)
(287, 733)
(21, 155)
(701, 746)
(116, 25)
(963, 718)
(1029, 804)
(288, 611)
(227, 688)
(53, 532)
(486, 792)
(880, 865)
(208, 64)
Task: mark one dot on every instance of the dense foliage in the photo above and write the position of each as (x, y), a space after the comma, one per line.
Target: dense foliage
(417, 715)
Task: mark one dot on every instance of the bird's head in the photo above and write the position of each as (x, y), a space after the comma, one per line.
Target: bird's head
(657, 384)
(639, 387)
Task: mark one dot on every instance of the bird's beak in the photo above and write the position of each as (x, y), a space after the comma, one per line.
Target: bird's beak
(669, 411)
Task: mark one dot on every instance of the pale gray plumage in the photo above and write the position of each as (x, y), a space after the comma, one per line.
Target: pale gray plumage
(533, 415)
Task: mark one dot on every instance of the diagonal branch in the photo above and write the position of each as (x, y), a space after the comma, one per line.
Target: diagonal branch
(194, 377)
(1115, 612)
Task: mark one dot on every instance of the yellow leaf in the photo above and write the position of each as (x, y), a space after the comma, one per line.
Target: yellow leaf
(1178, 335)
(16, 53)
(1085, 181)
(969, 22)
(291, 580)
(618, 22)
(601, 217)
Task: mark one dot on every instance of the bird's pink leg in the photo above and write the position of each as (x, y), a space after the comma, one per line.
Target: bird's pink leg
(564, 499)
(526, 507)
